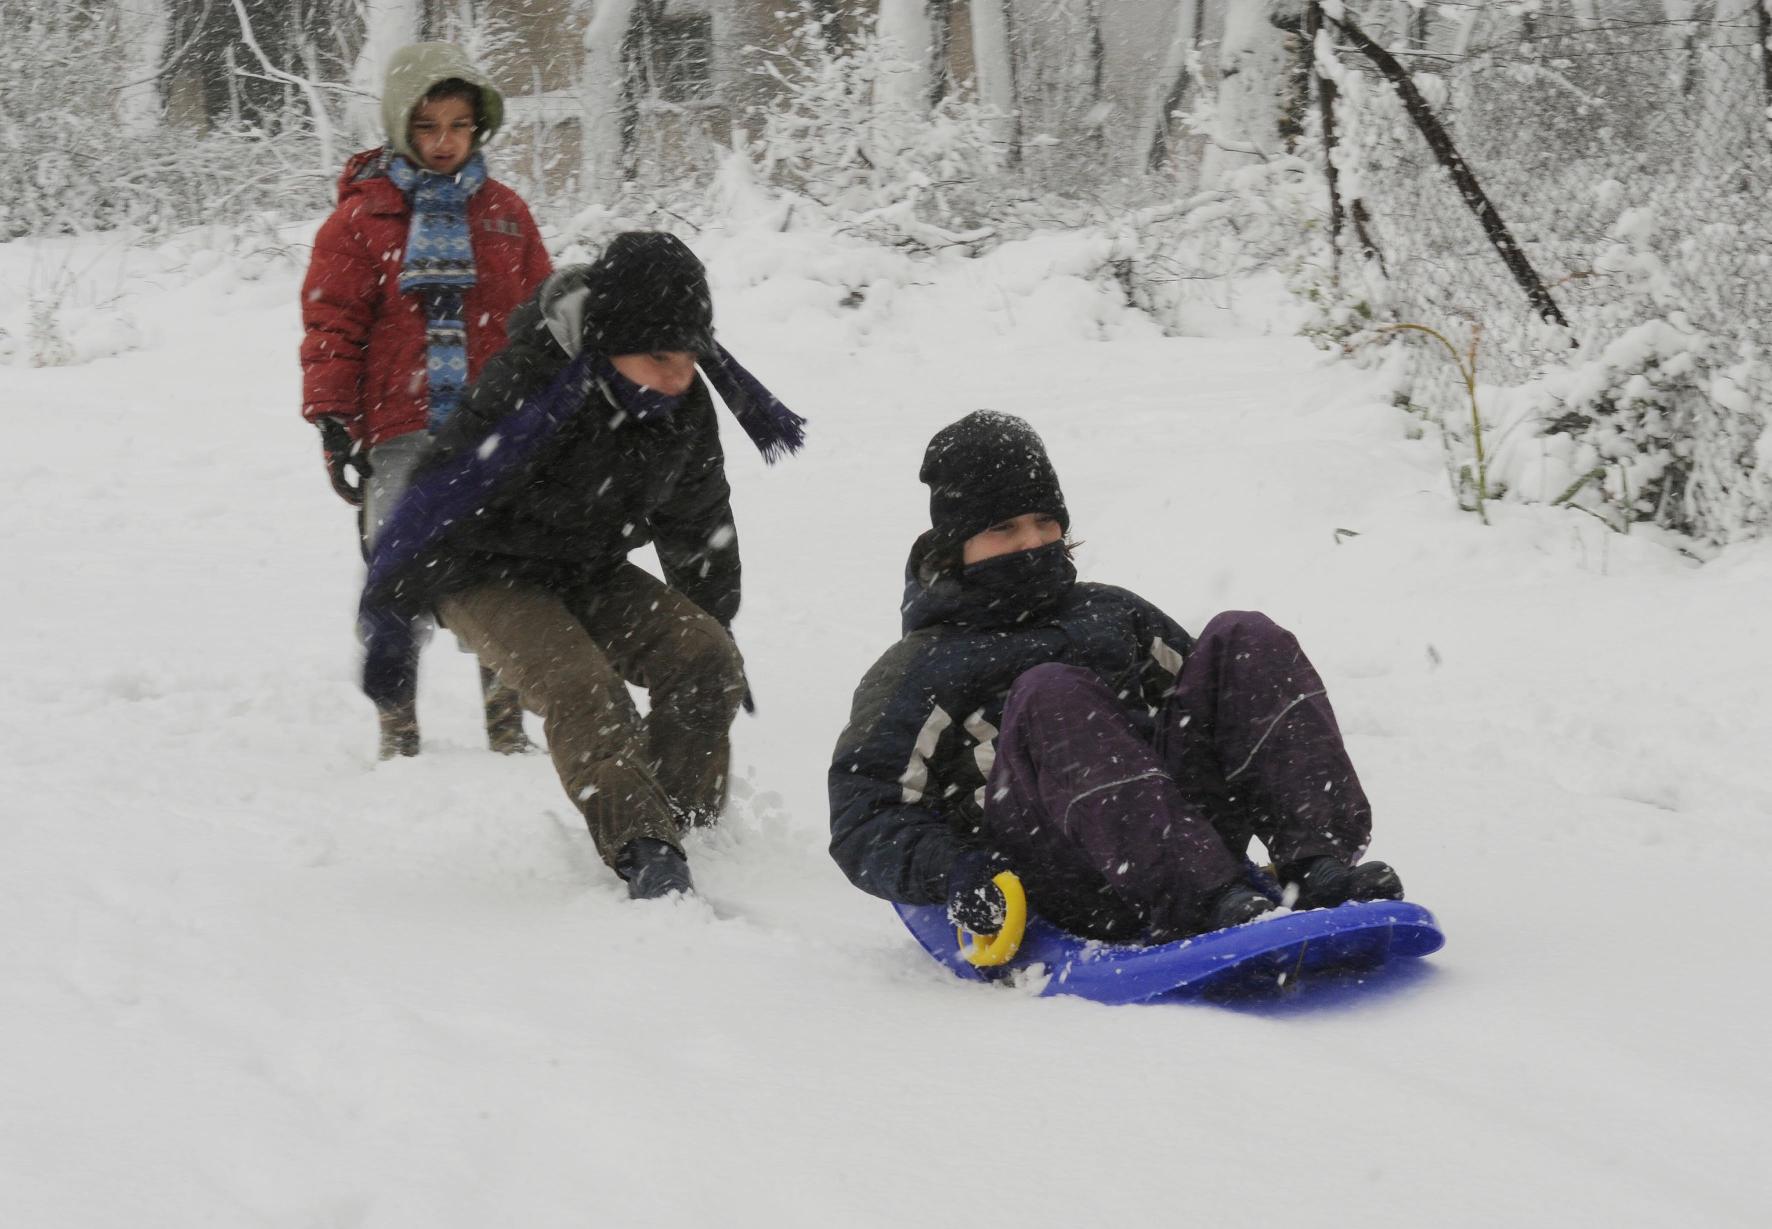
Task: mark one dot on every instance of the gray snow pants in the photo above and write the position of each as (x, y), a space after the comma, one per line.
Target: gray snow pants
(390, 473)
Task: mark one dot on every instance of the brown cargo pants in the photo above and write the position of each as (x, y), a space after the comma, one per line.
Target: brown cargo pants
(569, 656)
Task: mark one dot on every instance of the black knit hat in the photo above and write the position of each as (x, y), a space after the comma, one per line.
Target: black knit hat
(648, 292)
(985, 469)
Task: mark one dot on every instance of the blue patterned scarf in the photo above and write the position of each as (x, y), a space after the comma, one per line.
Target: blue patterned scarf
(439, 269)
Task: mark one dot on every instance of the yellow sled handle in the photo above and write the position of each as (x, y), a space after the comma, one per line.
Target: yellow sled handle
(1000, 948)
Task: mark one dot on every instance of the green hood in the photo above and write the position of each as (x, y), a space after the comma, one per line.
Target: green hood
(412, 72)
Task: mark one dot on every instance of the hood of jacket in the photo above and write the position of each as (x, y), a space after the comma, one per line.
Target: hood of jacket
(412, 73)
(1008, 591)
(561, 305)
(364, 173)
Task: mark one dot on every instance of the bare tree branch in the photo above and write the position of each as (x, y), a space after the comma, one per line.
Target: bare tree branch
(316, 105)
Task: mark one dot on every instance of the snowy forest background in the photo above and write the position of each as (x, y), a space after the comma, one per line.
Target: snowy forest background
(1299, 296)
(1576, 317)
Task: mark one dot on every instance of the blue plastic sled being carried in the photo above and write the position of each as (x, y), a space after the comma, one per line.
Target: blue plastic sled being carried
(1260, 957)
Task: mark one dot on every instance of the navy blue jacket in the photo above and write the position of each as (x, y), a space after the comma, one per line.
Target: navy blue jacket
(907, 778)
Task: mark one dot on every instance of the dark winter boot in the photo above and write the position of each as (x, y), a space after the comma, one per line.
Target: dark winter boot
(1324, 882)
(399, 729)
(1235, 905)
(653, 868)
(504, 716)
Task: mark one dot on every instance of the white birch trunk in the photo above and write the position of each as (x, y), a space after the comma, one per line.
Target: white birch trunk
(600, 90)
(143, 26)
(1464, 30)
(388, 26)
(994, 63)
(1251, 93)
(1155, 113)
(738, 26)
(906, 32)
(1403, 18)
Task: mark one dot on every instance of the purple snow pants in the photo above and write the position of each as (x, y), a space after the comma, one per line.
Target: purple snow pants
(1117, 839)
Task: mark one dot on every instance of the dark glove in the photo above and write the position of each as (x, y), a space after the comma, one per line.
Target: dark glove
(344, 456)
(975, 903)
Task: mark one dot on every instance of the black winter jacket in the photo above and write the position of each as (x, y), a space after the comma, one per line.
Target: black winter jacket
(908, 775)
(602, 486)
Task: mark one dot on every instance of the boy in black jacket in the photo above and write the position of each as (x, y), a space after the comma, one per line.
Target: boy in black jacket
(1077, 735)
(590, 435)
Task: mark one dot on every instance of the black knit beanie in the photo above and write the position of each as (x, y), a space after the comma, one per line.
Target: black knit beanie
(985, 469)
(648, 293)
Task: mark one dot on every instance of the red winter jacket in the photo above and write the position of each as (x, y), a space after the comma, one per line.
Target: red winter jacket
(363, 342)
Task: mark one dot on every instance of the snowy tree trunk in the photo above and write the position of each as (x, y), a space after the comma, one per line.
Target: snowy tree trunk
(305, 85)
(1058, 88)
(994, 63)
(906, 84)
(1154, 119)
(388, 25)
(143, 28)
(1252, 90)
(737, 26)
(1464, 31)
(1415, 23)
(602, 83)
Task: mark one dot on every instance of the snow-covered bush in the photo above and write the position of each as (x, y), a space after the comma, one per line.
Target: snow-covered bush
(1655, 408)
(1625, 164)
(80, 163)
(1192, 256)
(897, 173)
(1665, 424)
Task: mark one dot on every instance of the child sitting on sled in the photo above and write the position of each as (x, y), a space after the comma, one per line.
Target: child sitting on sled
(1074, 734)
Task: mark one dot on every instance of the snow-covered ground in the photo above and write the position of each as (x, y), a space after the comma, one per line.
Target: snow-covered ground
(250, 977)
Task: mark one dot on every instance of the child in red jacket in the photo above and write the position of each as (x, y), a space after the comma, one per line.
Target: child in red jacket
(405, 299)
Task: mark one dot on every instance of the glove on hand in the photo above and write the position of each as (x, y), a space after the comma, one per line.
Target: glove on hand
(344, 456)
(974, 902)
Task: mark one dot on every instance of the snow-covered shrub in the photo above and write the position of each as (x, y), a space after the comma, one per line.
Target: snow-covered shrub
(69, 307)
(1627, 163)
(1187, 257)
(1660, 413)
(894, 172)
(1665, 424)
(46, 346)
(80, 163)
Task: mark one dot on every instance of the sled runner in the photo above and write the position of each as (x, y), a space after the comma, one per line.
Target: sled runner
(1271, 954)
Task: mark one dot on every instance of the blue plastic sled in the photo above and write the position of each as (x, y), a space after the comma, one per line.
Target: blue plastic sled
(1260, 957)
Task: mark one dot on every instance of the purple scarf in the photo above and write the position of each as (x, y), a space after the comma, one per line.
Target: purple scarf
(773, 428)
